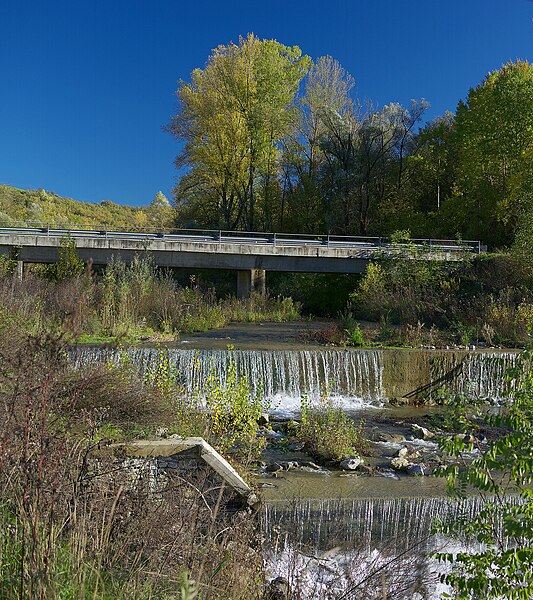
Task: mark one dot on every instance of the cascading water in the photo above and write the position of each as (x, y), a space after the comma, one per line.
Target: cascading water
(354, 377)
(366, 523)
(283, 376)
(358, 548)
(482, 374)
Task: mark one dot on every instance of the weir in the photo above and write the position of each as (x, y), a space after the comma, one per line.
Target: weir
(355, 377)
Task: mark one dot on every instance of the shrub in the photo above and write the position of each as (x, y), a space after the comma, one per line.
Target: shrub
(235, 411)
(328, 432)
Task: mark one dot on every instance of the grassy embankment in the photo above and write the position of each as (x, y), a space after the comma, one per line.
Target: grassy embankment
(485, 300)
(40, 206)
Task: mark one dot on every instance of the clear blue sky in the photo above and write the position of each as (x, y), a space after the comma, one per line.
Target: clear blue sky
(87, 86)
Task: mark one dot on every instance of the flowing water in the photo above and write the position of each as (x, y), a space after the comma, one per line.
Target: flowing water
(324, 533)
(356, 378)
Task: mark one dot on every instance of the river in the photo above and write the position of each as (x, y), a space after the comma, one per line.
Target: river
(324, 531)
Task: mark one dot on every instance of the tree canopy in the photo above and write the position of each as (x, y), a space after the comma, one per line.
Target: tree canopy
(273, 141)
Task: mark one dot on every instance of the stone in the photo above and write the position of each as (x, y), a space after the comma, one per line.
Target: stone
(418, 469)
(407, 452)
(350, 464)
(468, 438)
(366, 469)
(290, 465)
(263, 420)
(422, 433)
(311, 465)
(400, 464)
(277, 589)
(274, 467)
(395, 438)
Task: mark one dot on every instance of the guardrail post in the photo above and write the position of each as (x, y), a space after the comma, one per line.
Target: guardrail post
(219, 238)
(479, 246)
(274, 240)
(380, 242)
(327, 243)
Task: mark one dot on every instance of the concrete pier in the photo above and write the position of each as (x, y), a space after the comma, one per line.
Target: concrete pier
(251, 281)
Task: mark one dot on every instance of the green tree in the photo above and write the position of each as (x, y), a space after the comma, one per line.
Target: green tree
(69, 264)
(503, 565)
(232, 117)
(326, 100)
(160, 211)
(494, 141)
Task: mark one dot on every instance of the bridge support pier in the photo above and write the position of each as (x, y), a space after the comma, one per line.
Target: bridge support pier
(251, 280)
(20, 269)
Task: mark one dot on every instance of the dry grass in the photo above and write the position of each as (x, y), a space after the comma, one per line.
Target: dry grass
(76, 527)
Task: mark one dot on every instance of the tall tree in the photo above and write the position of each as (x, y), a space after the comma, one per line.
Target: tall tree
(326, 100)
(494, 141)
(232, 117)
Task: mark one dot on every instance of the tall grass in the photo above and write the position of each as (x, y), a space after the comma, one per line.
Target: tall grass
(129, 302)
(73, 526)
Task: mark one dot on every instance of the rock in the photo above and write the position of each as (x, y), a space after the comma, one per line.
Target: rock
(419, 469)
(277, 589)
(467, 438)
(290, 465)
(311, 465)
(391, 437)
(407, 452)
(274, 467)
(366, 469)
(253, 500)
(422, 433)
(350, 464)
(263, 420)
(400, 464)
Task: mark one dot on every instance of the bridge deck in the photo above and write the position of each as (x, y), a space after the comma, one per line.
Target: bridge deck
(228, 249)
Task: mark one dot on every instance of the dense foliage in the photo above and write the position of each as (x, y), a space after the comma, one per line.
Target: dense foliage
(276, 142)
(502, 565)
(18, 207)
(129, 302)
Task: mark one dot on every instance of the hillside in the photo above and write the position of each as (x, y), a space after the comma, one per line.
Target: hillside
(27, 207)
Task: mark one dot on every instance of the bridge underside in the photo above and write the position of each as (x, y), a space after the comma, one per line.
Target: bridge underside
(250, 268)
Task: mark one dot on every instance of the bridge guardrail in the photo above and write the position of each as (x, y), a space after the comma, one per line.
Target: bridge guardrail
(246, 237)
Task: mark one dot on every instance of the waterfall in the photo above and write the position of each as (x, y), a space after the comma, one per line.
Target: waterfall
(282, 375)
(395, 524)
(483, 374)
(355, 378)
(330, 548)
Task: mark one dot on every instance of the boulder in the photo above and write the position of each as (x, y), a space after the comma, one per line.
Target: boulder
(350, 464)
(407, 452)
(422, 433)
(391, 437)
(418, 469)
(400, 464)
(467, 438)
(263, 420)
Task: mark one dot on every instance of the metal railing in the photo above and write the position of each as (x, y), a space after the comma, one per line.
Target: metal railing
(213, 236)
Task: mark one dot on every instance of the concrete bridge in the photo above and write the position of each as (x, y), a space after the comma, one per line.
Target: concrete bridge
(251, 254)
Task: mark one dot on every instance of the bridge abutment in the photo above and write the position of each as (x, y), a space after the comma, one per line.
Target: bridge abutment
(251, 280)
